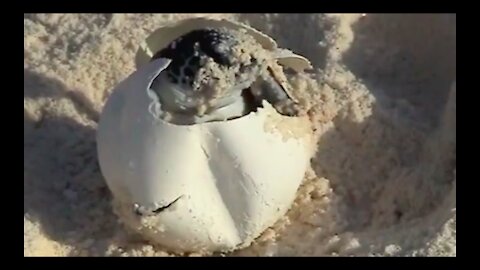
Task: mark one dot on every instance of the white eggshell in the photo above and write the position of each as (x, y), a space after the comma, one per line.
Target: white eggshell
(228, 180)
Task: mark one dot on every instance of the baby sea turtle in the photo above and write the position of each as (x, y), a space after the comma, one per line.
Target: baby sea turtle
(220, 72)
(204, 185)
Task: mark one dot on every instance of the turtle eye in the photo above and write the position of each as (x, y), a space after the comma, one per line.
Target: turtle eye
(188, 72)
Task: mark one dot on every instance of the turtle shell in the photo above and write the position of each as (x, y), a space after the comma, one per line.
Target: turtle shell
(163, 36)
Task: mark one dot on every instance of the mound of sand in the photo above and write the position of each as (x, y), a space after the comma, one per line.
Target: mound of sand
(382, 181)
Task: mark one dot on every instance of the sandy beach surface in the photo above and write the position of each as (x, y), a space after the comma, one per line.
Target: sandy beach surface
(381, 183)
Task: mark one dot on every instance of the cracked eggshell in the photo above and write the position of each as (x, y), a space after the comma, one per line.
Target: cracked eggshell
(161, 37)
(228, 180)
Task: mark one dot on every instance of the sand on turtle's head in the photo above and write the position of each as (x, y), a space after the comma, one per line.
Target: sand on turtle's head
(228, 61)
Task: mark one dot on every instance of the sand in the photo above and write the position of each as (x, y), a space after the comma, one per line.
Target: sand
(382, 180)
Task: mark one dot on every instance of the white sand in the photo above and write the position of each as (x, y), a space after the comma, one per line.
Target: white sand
(382, 182)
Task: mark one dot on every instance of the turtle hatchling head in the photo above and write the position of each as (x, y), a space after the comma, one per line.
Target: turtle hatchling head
(218, 74)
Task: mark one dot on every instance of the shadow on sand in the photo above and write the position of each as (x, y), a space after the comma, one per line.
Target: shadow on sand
(63, 187)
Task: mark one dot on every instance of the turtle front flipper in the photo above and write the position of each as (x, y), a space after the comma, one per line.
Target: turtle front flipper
(274, 88)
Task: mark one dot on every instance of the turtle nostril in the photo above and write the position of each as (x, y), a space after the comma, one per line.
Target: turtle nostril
(188, 72)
